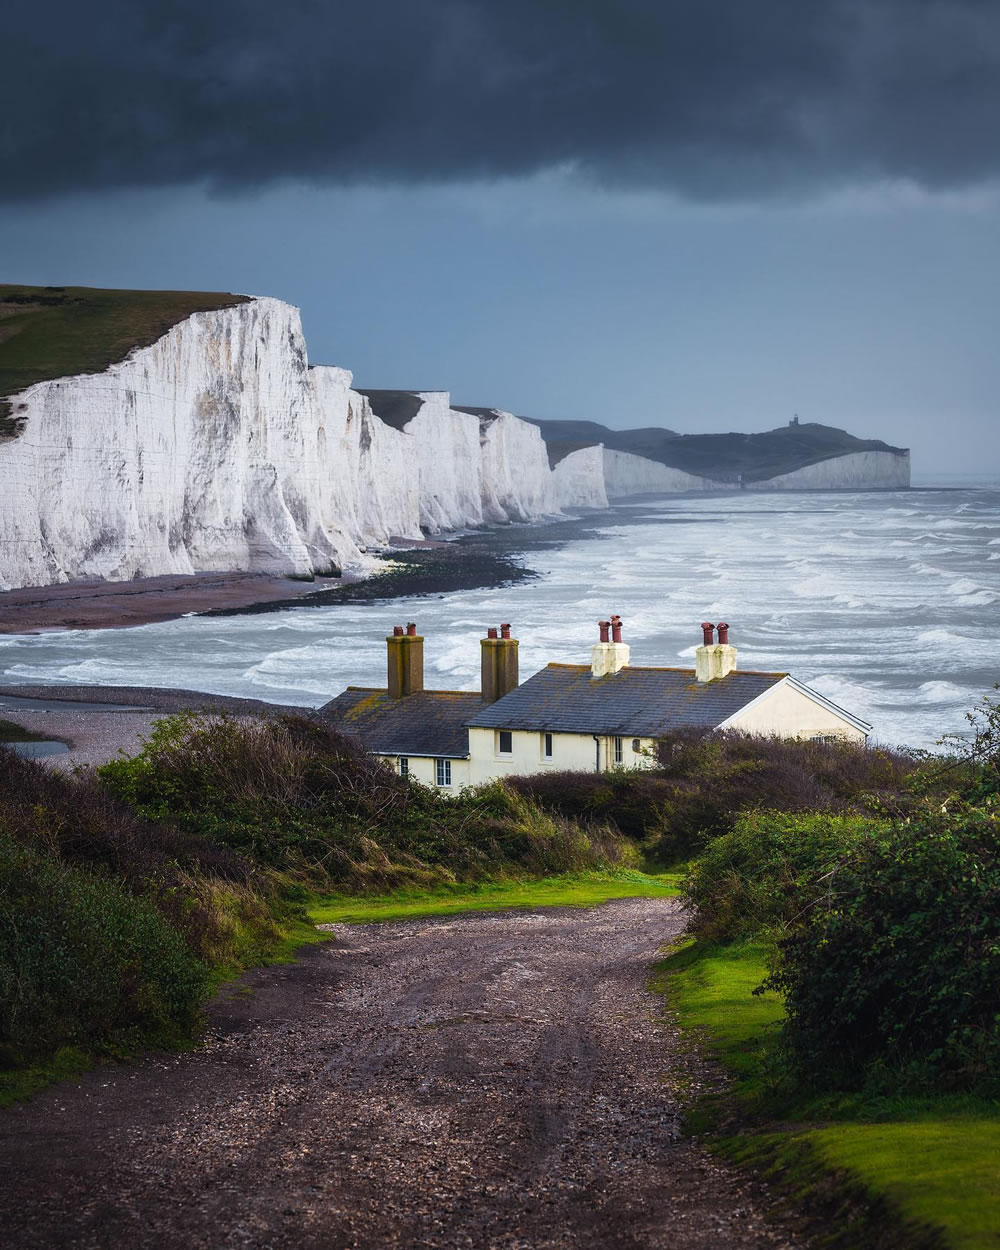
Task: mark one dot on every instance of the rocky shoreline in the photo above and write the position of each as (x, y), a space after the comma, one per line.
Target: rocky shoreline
(480, 559)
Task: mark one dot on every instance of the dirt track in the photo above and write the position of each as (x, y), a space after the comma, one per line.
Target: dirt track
(483, 1081)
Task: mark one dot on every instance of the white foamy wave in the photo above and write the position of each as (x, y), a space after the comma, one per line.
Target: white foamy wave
(944, 638)
(943, 692)
(85, 673)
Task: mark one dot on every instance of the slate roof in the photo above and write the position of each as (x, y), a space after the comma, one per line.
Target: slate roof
(432, 722)
(634, 702)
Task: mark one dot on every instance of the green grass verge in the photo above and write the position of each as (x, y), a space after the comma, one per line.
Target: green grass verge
(54, 332)
(926, 1166)
(570, 890)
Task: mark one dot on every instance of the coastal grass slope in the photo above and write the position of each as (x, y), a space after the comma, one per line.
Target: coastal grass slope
(49, 332)
(921, 1168)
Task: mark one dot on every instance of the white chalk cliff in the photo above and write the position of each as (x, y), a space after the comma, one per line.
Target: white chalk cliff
(858, 470)
(219, 448)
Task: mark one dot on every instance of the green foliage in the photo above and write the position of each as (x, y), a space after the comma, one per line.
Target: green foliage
(703, 781)
(769, 870)
(893, 979)
(84, 963)
(307, 802)
(981, 755)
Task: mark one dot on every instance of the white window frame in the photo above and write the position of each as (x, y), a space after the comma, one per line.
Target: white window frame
(548, 746)
(619, 748)
(404, 766)
(499, 742)
(442, 771)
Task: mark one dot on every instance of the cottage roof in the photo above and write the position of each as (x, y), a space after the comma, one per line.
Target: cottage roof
(430, 722)
(640, 702)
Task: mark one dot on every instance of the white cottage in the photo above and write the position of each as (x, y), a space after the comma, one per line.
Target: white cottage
(608, 714)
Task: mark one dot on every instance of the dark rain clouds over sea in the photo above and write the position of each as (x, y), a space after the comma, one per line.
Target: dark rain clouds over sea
(886, 603)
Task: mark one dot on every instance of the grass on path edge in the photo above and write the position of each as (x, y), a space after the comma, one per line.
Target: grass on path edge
(904, 1174)
(568, 890)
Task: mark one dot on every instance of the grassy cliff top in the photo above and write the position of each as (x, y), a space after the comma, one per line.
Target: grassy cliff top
(723, 457)
(57, 331)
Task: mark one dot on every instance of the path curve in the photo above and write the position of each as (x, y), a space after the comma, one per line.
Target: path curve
(492, 1080)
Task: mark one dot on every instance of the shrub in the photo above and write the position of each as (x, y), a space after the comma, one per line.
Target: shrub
(704, 780)
(896, 974)
(84, 963)
(307, 801)
(769, 870)
(221, 903)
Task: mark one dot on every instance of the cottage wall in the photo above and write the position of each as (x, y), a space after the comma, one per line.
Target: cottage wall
(576, 752)
(424, 769)
(787, 713)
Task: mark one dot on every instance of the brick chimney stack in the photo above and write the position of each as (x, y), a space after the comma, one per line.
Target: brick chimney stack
(405, 657)
(499, 660)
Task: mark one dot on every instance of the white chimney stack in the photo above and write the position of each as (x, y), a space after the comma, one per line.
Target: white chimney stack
(713, 660)
(610, 655)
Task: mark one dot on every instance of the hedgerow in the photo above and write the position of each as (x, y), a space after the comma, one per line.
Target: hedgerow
(892, 976)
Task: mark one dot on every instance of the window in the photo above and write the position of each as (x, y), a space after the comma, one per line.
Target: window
(547, 746)
(826, 738)
(443, 772)
(636, 746)
(505, 742)
(404, 766)
(619, 752)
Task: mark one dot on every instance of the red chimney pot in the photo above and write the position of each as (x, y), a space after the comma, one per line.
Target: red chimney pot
(491, 632)
(504, 631)
(723, 629)
(708, 629)
(616, 629)
(397, 631)
(604, 627)
(411, 629)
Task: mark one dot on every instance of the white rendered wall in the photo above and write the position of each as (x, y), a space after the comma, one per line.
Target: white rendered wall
(570, 752)
(785, 712)
(424, 770)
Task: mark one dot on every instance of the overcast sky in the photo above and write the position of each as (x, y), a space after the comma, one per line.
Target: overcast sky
(639, 212)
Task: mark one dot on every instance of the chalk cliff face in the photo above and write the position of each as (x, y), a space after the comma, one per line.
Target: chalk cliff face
(625, 474)
(446, 449)
(517, 483)
(861, 470)
(579, 479)
(219, 448)
(190, 454)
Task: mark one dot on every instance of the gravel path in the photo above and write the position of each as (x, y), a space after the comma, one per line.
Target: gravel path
(493, 1080)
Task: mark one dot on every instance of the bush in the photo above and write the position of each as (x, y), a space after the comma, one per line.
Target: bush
(310, 803)
(704, 780)
(895, 976)
(769, 870)
(84, 963)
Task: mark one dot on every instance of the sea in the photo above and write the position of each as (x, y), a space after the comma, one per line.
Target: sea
(887, 603)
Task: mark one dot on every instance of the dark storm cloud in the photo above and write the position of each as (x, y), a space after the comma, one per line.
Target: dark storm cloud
(704, 97)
